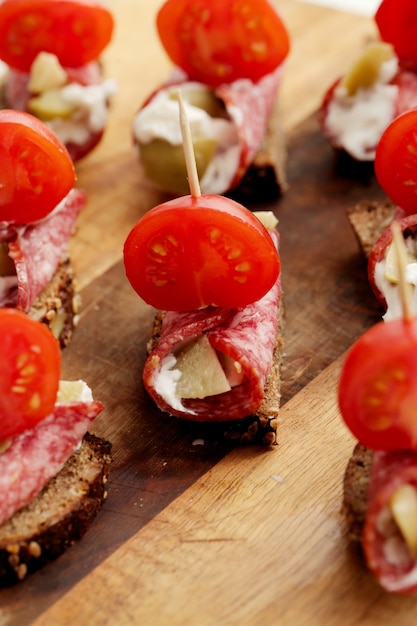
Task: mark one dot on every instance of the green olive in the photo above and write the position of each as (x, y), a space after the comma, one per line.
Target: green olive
(164, 163)
(50, 104)
(203, 98)
(7, 267)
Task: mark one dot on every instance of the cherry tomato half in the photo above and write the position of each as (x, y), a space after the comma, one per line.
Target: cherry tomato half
(397, 21)
(76, 32)
(192, 252)
(396, 161)
(218, 42)
(378, 386)
(30, 365)
(36, 171)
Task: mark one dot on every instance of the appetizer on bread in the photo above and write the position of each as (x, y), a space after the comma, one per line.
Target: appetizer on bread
(49, 50)
(381, 84)
(39, 207)
(228, 61)
(395, 168)
(377, 400)
(52, 471)
(212, 270)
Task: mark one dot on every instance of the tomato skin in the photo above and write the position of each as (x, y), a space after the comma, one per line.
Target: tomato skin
(396, 161)
(30, 365)
(220, 42)
(36, 171)
(377, 387)
(76, 32)
(397, 23)
(192, 252)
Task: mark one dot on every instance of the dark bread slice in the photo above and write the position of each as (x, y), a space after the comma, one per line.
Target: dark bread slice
(261, 427)
(369, 219)
(355, 487)
(59, 304)
(59, 515)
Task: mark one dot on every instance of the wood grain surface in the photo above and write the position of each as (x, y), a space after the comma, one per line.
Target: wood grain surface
(207, 534)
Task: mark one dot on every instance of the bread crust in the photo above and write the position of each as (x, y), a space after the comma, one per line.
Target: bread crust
(59, 303)
(59, 515)
(369, 219)
(355, 488)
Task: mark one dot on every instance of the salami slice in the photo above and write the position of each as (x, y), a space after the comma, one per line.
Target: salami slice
(36, 249)
(246, 336)
(385, 550)
(38, 454)
(81, 134)
(359, 133)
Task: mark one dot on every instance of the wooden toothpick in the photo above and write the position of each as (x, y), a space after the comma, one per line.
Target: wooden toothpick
(189, 155)
(401, 257)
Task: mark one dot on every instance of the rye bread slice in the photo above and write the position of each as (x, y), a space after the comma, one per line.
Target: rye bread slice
(355, 487)
(369, 219)
(59, 304)
(59, 515)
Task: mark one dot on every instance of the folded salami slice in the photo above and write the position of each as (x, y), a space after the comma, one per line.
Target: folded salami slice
(36, 455)
(86, 91)
(38, 248)
(387, 554)
(240, 131)
(244, 338)
(355, 124)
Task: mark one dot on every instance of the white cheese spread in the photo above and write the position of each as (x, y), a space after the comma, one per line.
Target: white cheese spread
(160, 120)
(357, 121)
(390, 290)
(90, 116)
(166, 382)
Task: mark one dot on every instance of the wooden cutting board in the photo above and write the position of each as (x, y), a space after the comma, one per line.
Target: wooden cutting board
(206, 534)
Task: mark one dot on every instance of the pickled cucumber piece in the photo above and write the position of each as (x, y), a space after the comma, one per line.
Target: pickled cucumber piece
(403, 506)
(203, 98)
(392, 272)
(7, 267)
(201, 372)
(164, 163)
(50, 104)
(72, 391)
(46, 73)
(365, 71)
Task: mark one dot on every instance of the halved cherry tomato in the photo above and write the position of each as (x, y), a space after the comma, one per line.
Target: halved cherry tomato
(76, 32)
(30, 366)
(36, 171)
(218, 42)
(192, 252)
(377, 387)
(396, 21)
(396, 161)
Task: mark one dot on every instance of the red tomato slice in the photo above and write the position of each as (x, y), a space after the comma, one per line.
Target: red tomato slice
(377, 387)
(36, 171)
(192, 252)
(396, 161)
(76, 32)
(396, 21)
(218, 42)
(30, 362)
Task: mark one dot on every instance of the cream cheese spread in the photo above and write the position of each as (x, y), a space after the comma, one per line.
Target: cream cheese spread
(357, 121)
